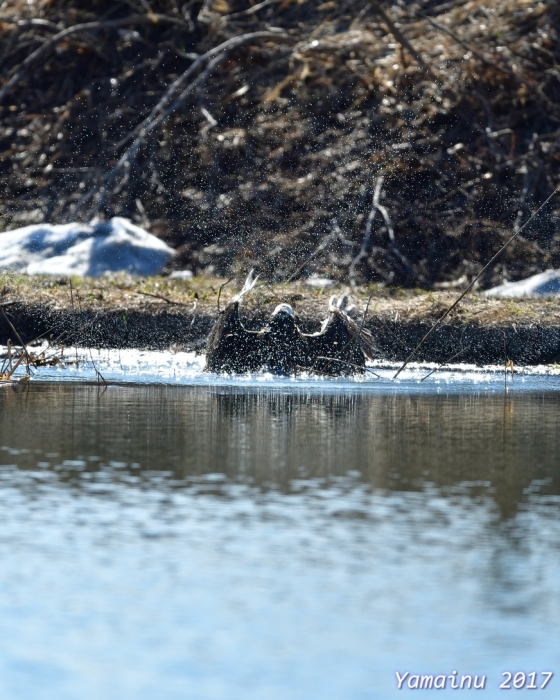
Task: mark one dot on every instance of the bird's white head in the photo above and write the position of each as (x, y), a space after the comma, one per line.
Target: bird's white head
(283, 309)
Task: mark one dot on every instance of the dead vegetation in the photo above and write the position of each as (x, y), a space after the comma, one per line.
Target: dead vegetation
(400, 143)
(16, 356)
(199, 298)
(26, 358)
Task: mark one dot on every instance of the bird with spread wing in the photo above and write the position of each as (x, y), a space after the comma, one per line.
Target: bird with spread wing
(340, 347)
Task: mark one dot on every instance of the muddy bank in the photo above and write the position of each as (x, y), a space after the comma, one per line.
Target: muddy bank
(160, 313)
(112, 328)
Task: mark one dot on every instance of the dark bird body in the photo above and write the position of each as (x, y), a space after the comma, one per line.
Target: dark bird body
(341, 347)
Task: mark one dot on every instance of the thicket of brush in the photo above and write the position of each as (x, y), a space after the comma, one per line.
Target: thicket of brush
(396, 142)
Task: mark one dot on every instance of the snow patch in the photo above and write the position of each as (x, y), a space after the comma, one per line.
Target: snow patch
(181, 275)
(542, 285)
(90, 250)
(319, 282)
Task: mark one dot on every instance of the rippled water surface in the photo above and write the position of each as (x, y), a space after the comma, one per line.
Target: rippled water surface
(278, 541)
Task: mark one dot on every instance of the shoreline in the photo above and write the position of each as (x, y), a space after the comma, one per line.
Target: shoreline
(161, 313)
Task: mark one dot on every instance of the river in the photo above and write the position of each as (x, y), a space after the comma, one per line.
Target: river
(264, 538)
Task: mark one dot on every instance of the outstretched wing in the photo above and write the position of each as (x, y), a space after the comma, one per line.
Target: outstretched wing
(340, 347)
(227, 324)
(250, 282)
(231, 347)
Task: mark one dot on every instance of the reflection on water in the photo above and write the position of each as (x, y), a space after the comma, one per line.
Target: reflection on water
(395, 442)
(242, 543)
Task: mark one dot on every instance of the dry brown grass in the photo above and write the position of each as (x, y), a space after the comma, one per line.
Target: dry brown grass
(277, 153)
(200, 297)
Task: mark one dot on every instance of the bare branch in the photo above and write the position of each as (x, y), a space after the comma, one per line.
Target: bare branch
(86, 26)
(31, 23)
(251, 10)
(399, 36)
(377, 206)
(171, 102)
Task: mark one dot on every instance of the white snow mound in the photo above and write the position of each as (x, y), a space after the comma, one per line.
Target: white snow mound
(542, 285)
(81, 249)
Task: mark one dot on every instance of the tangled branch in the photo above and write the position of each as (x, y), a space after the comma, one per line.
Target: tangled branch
(170, 102)
(43, 50)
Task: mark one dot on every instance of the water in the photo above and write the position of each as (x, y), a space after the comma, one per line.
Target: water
(261, 539)
(186, 369)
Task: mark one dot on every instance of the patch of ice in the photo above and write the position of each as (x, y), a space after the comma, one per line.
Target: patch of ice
(85, 250)
(542, 285)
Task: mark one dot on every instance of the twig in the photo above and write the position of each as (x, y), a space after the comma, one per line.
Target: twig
(251, 10)
(377, 206)
(365, 312)
(178, 83)
(220, 293)
(336, 235)
(505, 361)
(25, 353)
(389, 225)
(399, 36)
(166, 106)
(384, 213)
(449, 359)
(12, 368)
(30, 23)
(467, 46)
(193, 313)
(508, 364)
(86, 26)
(8, 359)
(324, 243)
(367, 235)
(73, 312)
(97, 372)
(23, 345)
(471, 285)
(155, 296)
(387, 329)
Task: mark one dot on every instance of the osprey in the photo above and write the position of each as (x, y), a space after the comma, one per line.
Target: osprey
(341, 347)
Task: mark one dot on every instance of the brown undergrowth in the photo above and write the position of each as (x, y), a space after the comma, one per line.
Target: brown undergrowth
(124, 295)
(371, 141)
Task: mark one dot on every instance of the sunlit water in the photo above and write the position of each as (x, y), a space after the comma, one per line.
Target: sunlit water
(273, 538)
(187, 369)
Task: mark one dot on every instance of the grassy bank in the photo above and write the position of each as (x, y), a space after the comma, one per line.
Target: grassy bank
(161, 313)
(376, 142)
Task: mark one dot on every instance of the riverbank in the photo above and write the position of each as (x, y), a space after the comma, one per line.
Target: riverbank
(160, 313)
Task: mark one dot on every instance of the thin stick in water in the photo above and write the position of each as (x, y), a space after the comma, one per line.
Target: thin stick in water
(449, 359)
